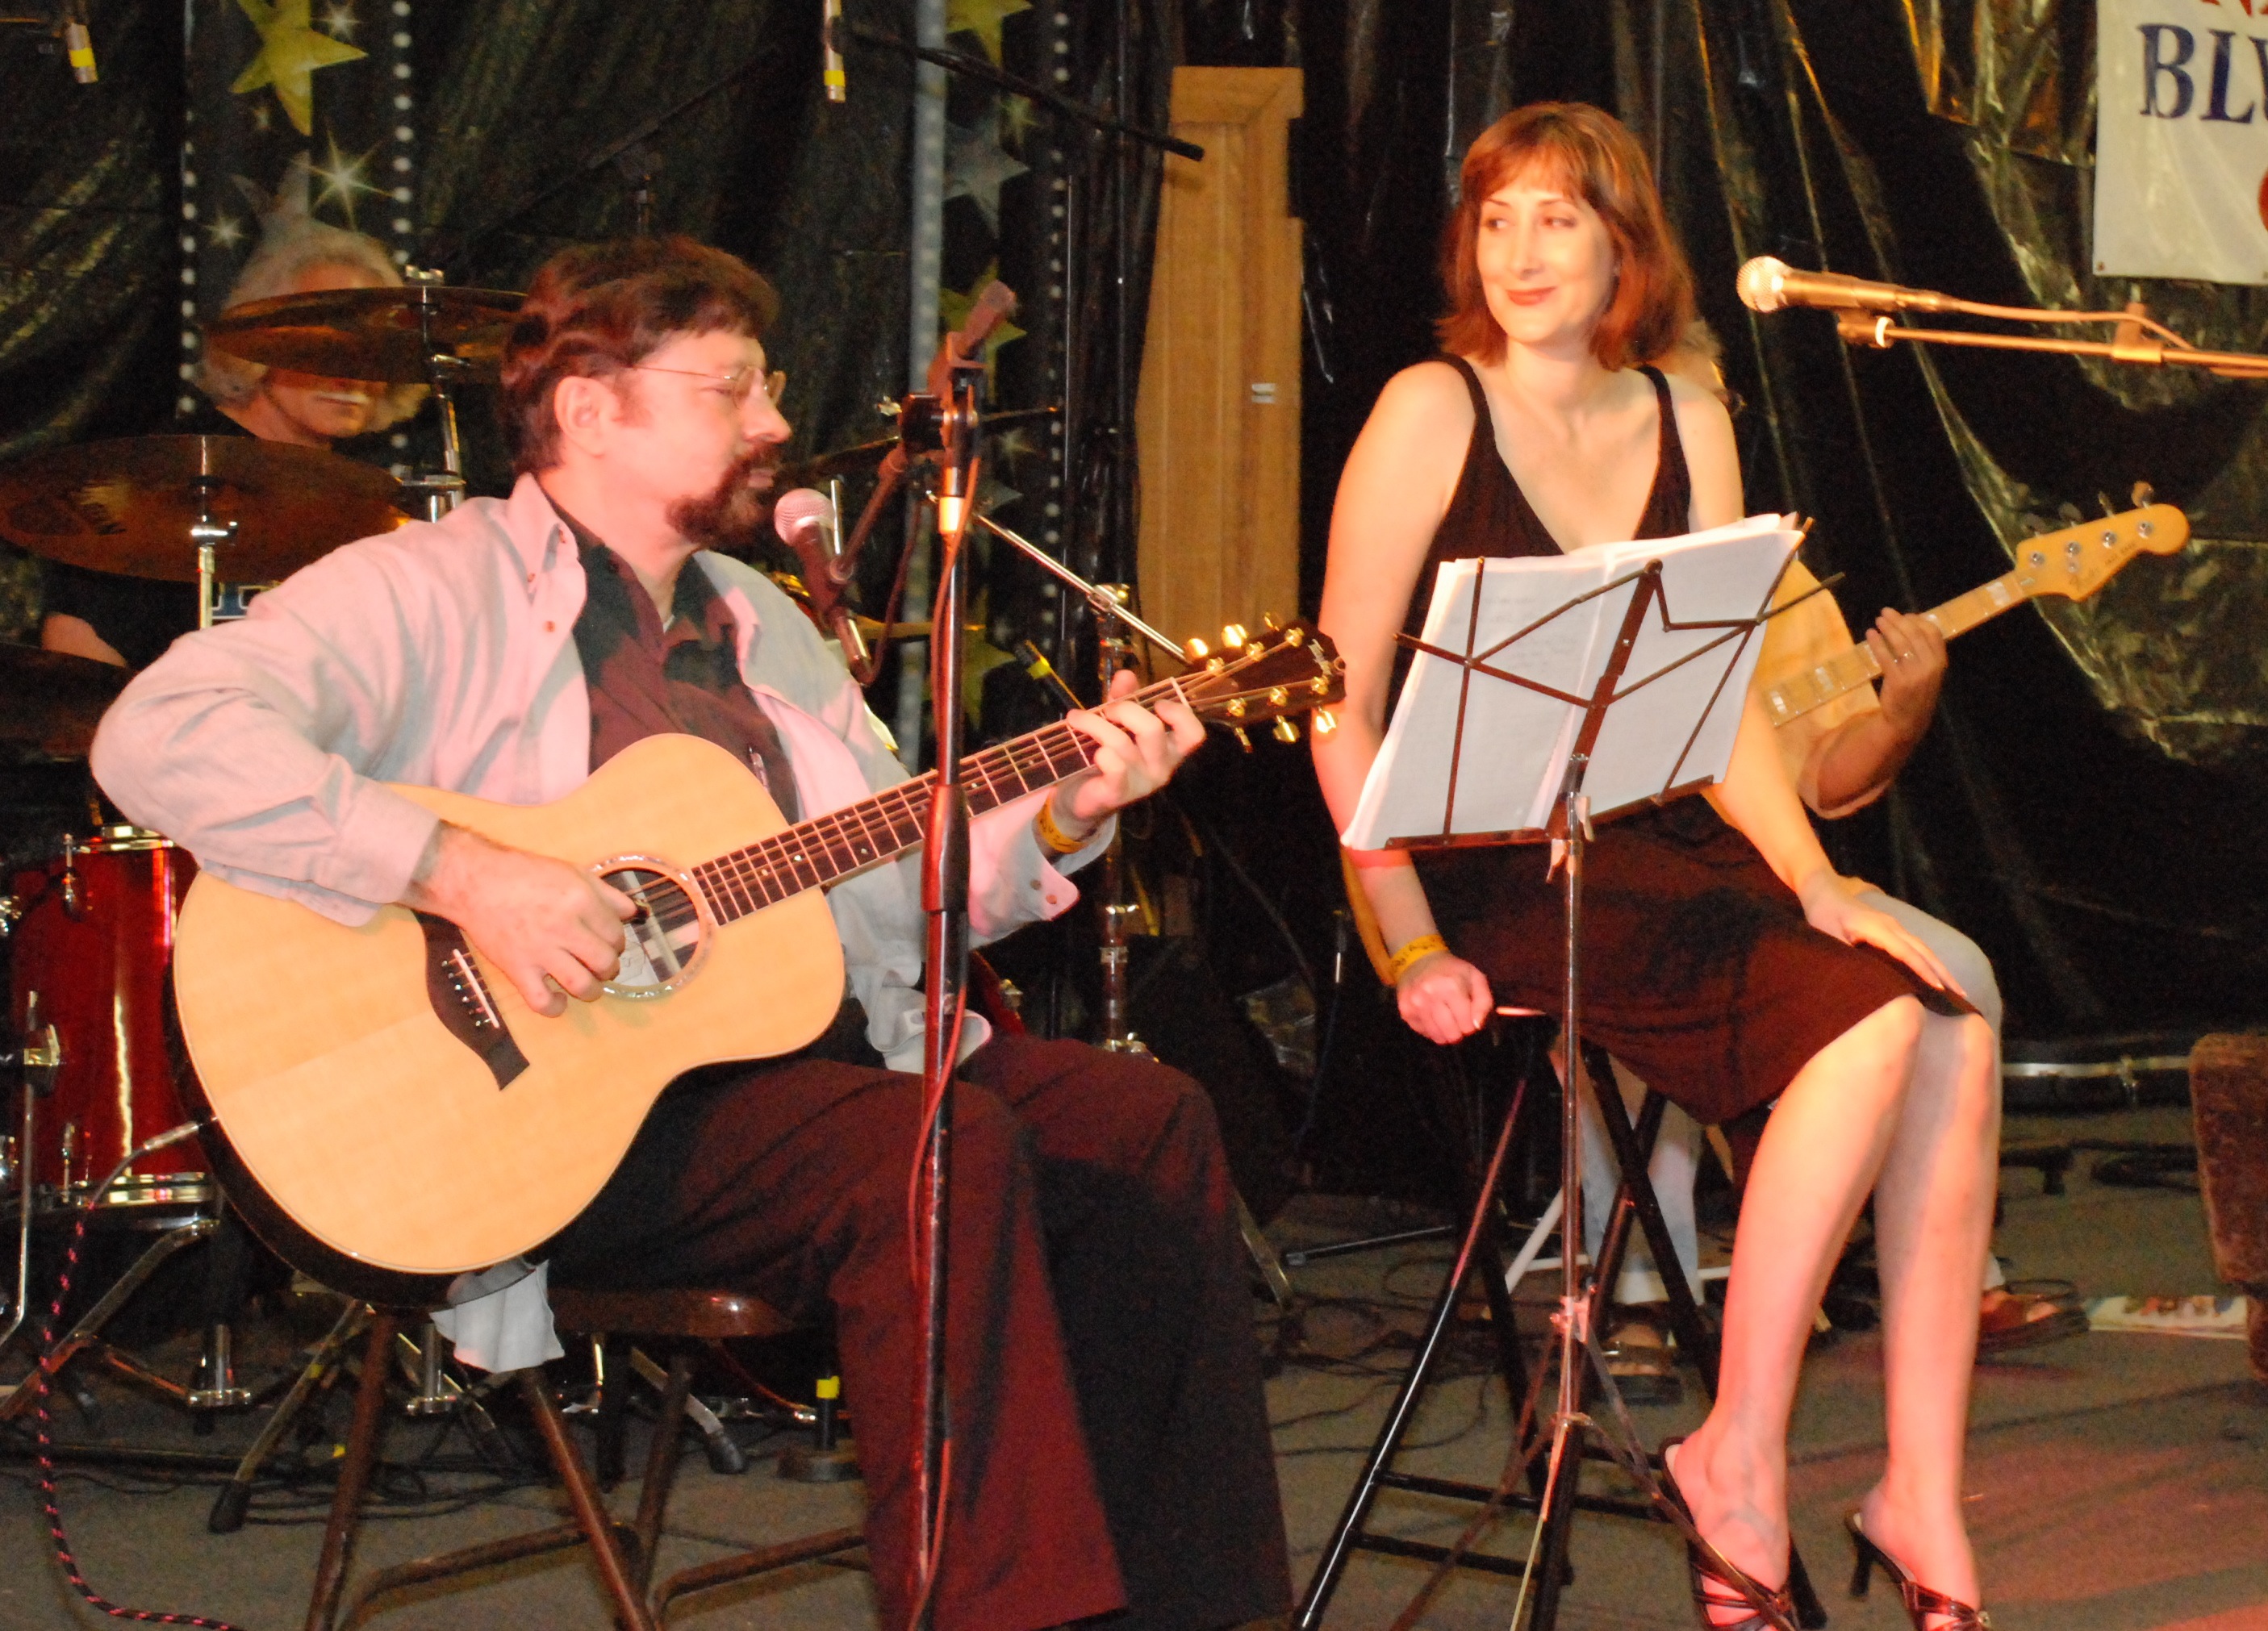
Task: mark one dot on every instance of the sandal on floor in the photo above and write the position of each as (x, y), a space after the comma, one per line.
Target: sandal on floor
(1920, 1601)
(1712, 1587)
(2030, 1312)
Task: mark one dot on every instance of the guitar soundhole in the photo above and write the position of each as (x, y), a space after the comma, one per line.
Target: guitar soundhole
(664, 942)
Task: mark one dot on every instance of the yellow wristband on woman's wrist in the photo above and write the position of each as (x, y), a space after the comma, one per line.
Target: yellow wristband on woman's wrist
(1054, 837)
(1401, 961)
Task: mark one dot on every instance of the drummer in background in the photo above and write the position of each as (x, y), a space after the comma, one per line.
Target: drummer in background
(129, 622)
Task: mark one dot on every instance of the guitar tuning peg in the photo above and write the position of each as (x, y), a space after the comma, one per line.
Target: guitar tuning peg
(2143, 494)
(2033, 525)
(1324, 722)
(1243, 740)
(2068, 513)
(2103, 498)
(1268, 622)
(1196, 649)
(1232, 636)
(1286, 731)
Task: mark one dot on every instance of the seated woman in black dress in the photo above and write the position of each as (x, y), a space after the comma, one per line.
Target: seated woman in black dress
(1726, 961)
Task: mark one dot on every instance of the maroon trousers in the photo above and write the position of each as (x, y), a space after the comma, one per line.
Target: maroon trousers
(1110, 1443)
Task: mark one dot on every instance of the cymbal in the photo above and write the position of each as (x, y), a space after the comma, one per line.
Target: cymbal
(126, 507)
(55, 700)
(378, 334)
(843, 461)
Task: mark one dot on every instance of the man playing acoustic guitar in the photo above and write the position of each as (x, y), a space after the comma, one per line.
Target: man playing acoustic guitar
(1111, 1445)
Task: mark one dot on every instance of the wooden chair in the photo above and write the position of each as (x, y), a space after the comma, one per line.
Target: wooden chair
(623, 1554)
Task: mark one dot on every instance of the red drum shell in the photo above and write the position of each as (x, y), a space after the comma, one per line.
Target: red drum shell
(92, 953)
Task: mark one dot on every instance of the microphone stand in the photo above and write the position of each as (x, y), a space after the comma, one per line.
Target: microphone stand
(2132, 341)
(945, 907)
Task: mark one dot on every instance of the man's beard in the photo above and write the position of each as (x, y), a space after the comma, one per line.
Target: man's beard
(728, 517)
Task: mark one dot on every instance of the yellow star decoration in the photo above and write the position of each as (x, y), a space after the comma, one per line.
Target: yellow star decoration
(291, 52)
(952, 309)
(981, 18)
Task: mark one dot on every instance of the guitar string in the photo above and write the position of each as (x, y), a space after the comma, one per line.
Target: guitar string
(747, 879)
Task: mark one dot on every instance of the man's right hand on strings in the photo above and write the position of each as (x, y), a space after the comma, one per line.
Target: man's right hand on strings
(555, 931)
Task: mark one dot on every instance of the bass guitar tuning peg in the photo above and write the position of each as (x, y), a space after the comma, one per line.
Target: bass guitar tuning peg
(2143, 494)
(2103, 498)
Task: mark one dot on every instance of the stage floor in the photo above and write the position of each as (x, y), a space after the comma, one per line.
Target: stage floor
(2115, 1481)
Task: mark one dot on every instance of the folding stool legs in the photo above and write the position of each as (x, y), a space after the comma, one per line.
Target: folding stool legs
(354, 1476)
(589, 1512)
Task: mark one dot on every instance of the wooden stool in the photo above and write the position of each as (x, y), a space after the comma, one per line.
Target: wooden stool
(623, 1552)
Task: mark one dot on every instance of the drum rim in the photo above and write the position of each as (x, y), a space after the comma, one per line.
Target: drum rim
(122, 839)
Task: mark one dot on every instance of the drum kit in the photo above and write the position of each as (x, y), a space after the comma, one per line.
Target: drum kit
(99, 1131)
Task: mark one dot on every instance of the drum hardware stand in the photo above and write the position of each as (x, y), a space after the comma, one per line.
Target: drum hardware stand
(726, 1457)
(442, 490)
(1114, 651)
(235, 1498)
(37, 1060)
(437, 1394)
(208, 535)
(85, 1333)
(1544, 1569)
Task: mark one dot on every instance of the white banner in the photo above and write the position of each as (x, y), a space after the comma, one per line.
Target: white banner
(2181, 153)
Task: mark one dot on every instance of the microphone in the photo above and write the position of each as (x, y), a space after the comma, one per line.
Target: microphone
(805, 519)
(831, 74)
(79, 44)
(1767, 285)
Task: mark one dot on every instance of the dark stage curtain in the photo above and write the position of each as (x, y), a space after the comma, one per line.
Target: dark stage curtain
(90, 201)
(2086, 807)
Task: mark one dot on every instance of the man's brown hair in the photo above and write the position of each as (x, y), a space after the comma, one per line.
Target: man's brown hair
(598, 309)
(1595, 158)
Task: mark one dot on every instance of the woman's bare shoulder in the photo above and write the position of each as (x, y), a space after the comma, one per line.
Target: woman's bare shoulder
(1426, 403)
(1695, 405)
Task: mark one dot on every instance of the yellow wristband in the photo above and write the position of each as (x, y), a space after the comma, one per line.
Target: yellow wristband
(1401, 962)
(1053, 836)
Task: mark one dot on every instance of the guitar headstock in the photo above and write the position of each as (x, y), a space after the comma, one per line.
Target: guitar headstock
(2078, 560)
(1260, 675)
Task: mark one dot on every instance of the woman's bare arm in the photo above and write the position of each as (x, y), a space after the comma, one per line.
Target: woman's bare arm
(1393, 494)
(1756, 797)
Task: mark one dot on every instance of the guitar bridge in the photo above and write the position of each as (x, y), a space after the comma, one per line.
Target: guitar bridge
(462, 1003)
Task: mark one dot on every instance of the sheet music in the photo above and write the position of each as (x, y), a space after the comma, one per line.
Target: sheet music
(1516, 740)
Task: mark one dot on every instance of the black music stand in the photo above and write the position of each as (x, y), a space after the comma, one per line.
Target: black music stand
(1567, 829)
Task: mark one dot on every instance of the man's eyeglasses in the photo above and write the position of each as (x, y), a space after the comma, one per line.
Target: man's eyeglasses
(736, 385)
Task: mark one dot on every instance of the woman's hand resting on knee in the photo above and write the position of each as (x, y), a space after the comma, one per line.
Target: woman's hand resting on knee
(1831, 904)
(1443, 998)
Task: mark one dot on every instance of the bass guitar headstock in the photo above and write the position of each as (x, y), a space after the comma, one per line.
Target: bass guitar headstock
(2077, 561)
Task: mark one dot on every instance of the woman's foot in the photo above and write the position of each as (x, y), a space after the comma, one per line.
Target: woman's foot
(1931, 1549)
(1740, 1509)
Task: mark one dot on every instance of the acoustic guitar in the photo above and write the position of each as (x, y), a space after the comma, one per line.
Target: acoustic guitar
(2073, 562)
(386, 1110)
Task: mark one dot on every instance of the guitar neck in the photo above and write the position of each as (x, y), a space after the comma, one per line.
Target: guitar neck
(814, 854)
(1846, 671)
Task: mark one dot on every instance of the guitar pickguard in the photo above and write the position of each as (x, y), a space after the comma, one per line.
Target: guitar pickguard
(461, 1001)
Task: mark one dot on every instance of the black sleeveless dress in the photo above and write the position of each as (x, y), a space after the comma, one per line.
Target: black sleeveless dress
(1699, 971)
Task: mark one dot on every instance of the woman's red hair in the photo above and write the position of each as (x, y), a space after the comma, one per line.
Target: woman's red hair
(1594, 157)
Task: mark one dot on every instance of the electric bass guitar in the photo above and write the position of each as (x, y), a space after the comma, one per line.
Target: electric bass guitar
(386, 1109)
(2073, 562)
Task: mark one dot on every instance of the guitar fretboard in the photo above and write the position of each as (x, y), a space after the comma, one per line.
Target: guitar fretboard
(815, 853)
(1799, 694)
